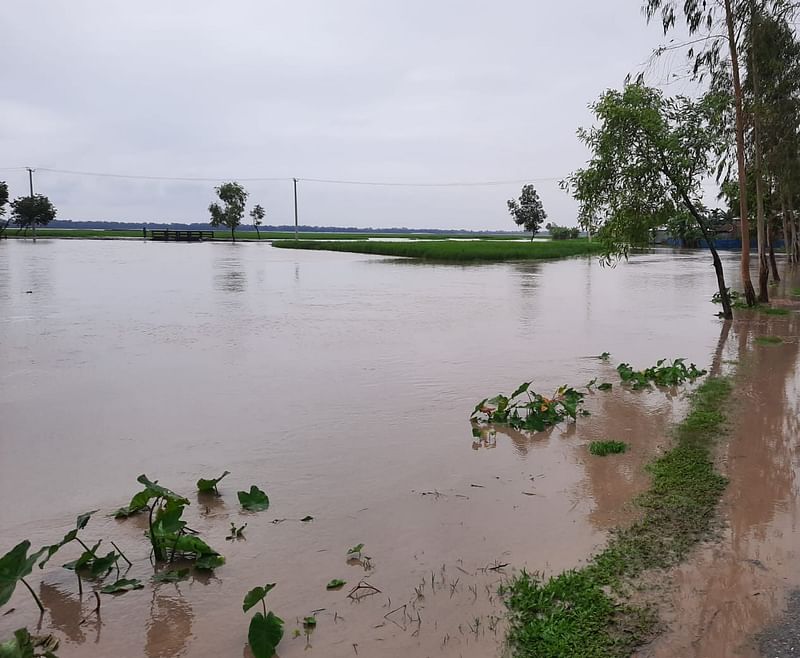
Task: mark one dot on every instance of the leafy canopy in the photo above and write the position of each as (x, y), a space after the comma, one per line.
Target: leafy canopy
(36, 210)
(234, 198)
(528, 211)
(649, 157)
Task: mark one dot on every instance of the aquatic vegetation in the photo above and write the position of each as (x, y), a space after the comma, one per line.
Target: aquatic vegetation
(664, 373)
(122, 585)
(266, 629)
(527, 410)
(605, 386)
(25, 645)
(207, 486)
(775, 311)
(309, 622)
(356, 550)
(14, 566)
(171, 576)
(768, 340)
(255, 500)
(336, 583)
(603, 448)
(236, 533)
(605, 356)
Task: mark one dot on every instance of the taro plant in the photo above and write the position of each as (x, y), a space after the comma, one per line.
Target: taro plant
(526, 409)
(664, 373)
(25, 645)
(266, 629)
(210, 485)
(255, 500)
(14, 566)
(167, 531)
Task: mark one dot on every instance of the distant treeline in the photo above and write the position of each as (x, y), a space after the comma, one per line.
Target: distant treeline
(205, 226)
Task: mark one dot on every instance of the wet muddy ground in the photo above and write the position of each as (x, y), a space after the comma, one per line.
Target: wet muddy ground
(342, 385)
(723, 598)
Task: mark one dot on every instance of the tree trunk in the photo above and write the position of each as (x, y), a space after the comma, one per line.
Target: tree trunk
(233, 235)
(763, 263)
(258, 234)
(532, 234)
(787, 249)
(747, 284)
(772, 262)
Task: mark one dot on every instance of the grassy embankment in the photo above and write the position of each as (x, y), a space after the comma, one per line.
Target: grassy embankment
(223, 235)
(464, 251)
(585, 613)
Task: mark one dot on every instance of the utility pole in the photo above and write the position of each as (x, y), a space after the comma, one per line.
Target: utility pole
(30, 181)
(295, 208)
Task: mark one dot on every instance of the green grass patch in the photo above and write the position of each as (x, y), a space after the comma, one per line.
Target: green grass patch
(774, 311)
(603, 448)
(575, 613)
(768, 340)
(795, 292)
(456, 251)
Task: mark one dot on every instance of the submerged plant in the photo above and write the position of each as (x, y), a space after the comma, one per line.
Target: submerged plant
(336, 583)
(236, 533)
(266, 629)
(528, 410)
(207, 486)
(255, 500)
(14, 566)
(768, 340)
(603, 448)
(25, 645)
(662, 374)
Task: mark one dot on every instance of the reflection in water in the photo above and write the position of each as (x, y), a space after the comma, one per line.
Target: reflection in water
(170, 625)
(230, 275)
(65, 610)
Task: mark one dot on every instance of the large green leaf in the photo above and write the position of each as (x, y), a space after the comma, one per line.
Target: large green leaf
(209, 562)
(137, 504)
(211, 484)
(15, 565)
(255, 596)
(336, 583)
(20, 646)
(168, 519)
(100, 566)
(86, 558)
(122, 585)
(265, 634)
(255, 501)
(161, 492)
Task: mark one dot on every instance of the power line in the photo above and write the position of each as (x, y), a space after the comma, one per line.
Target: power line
(329, 181)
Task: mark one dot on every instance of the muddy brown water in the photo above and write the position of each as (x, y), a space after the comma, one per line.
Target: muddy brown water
(735, 586)
(342, 385)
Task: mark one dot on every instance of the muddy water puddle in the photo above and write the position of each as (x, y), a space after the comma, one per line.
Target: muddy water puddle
(342, 385)
(734, 587)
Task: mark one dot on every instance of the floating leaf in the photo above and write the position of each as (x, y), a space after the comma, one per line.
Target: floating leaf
(210, 485)
(355, 549)
(122, 585)
(161, 492)
(255, 501)
(14, 566)
(309, 622)
(171, 576)
(265, 634)
(336, 583)
(256, 595)
(605, 386)
(209, 562)
(605, 356)
(138, 503)
(306, 519)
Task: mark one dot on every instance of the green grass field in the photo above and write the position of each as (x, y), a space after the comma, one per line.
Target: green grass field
(451, 251)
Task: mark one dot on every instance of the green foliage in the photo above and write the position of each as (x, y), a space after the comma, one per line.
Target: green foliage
(205, 485)
(664, 373)
(355, 550)
(121, 586)
(309, 622)
(573, 614)
(14, 566)
(734, 295)
(32, 211)
(80, 524)
(138, 504)
(603, 448)
(795, 292)
(563, 232)
(236, 533)
(265, 634)
(234, 198)
(775, 311)
(605, 356)
(528, 410)
(446, 251)
(254, 501)
(605, 386)
(171, 576)
(336, 583)
(768, 340)
(266, 629)
(256, 596)
(208, 561)
(528, 212)
(25, 645)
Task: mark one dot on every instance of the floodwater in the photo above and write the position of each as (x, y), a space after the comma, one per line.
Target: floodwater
(342, 385)
(737, 585)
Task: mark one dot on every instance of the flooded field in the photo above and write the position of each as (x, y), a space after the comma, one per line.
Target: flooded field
(342, 385)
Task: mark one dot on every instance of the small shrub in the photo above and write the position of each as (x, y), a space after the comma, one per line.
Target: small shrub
(768, 340)
(603, 448)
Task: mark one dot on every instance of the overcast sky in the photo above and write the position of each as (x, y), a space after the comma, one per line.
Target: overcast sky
(392, 90)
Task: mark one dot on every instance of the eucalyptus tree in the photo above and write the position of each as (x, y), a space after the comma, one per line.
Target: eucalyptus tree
(528, 211)
(234, 199)
(3, 204)
(649, 158)
(702, 18)
(257, 214)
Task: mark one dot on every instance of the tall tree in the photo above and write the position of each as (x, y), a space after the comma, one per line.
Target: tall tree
(234, 198)
(649, 157)
(28, 212)
(703, 16)
(257, 214)
(528, 211)
(3, 204)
